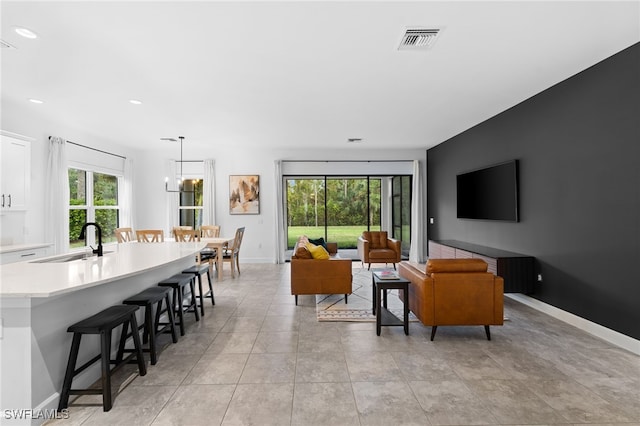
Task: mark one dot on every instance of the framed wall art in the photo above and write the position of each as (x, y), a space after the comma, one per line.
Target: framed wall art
(244, 194)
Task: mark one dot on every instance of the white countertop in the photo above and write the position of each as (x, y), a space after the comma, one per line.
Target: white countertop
(19, 247)
(37, 279)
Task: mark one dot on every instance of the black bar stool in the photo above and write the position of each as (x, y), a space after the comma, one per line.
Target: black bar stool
(198, 270)
(103, 324)
(153, 328)
(178, 283)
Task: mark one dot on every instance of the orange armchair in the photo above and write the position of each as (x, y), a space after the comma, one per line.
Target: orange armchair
(454, 292)
(377, 247)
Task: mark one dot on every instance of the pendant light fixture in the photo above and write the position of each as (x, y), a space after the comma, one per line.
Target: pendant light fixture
(181, 180)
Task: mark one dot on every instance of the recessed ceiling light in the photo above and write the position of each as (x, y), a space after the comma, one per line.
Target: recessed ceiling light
(26, 32)
(36, 101)
(135, 102)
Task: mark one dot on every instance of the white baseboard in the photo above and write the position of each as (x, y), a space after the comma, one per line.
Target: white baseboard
(604, 333)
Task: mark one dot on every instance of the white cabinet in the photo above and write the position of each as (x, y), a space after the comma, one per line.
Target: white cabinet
(15, 179)
(26, 254)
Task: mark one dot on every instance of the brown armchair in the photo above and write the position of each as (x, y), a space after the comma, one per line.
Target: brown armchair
(454, 292)
(377, 247)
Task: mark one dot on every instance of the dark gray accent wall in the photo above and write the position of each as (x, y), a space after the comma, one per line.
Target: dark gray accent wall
(578, 143)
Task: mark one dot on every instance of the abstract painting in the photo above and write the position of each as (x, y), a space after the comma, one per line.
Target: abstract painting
(244, 194)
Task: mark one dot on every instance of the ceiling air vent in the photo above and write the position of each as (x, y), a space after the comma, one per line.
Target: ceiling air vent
(418, 39)
(5, 45)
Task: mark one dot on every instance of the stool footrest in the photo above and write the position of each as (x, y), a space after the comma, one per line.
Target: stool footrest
(124, 361)
(164, 327)
(86, 365)
(85, 391)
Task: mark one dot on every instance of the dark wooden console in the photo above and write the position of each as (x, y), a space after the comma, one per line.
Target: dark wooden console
(517, 270)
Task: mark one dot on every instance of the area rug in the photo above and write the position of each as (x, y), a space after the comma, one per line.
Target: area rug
(331, 307)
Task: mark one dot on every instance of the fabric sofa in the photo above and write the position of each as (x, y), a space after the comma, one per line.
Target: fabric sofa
(454, 292)
(320, 276)
(377, 247)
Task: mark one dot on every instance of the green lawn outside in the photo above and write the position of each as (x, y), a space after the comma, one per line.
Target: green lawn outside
(345, 236)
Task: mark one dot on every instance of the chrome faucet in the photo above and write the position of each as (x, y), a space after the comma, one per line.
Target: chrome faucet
(98, 250)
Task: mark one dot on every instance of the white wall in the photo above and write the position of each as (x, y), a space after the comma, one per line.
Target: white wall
(27, 119)
(258, 244)
(150, 171)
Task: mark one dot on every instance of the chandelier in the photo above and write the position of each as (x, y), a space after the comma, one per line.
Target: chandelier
(181, 180)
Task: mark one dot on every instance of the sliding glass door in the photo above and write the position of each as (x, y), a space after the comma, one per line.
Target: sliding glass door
(305, 208)
(401, 216)
(336, 208)
(353, 206)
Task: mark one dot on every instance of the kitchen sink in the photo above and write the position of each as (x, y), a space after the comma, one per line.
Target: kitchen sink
(69, 257)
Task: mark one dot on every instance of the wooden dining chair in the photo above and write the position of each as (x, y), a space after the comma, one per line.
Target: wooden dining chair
(210, 231)
(150, 235)
(186, 235)
(182, 227)
(209, 254)
(232, 253)
(124, 235)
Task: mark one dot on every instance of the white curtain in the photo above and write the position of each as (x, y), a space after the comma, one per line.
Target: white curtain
(126, 202)
(173, 199)
(416, 252)
(57, 196)
(209, 194)
(280, 234)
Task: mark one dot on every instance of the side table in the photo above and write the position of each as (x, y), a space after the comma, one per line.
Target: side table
(383, 315)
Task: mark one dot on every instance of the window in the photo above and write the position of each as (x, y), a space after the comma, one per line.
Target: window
(191, 203)
(93, 197)
(335, 208)
(401, 215)
(353, 206)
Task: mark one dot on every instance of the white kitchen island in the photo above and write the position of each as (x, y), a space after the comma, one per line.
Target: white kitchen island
(39, 300)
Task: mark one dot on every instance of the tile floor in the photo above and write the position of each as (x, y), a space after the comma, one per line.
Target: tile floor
(257, 359)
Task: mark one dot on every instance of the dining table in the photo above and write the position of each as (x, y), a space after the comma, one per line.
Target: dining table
(219, 244)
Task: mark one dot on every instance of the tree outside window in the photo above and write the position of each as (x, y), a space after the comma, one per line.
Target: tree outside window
(335, 208)
(105, 203)
(191, 203)
(77, 205)
(93, 197)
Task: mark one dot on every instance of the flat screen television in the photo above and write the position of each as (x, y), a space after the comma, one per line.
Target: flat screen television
(490, 193)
